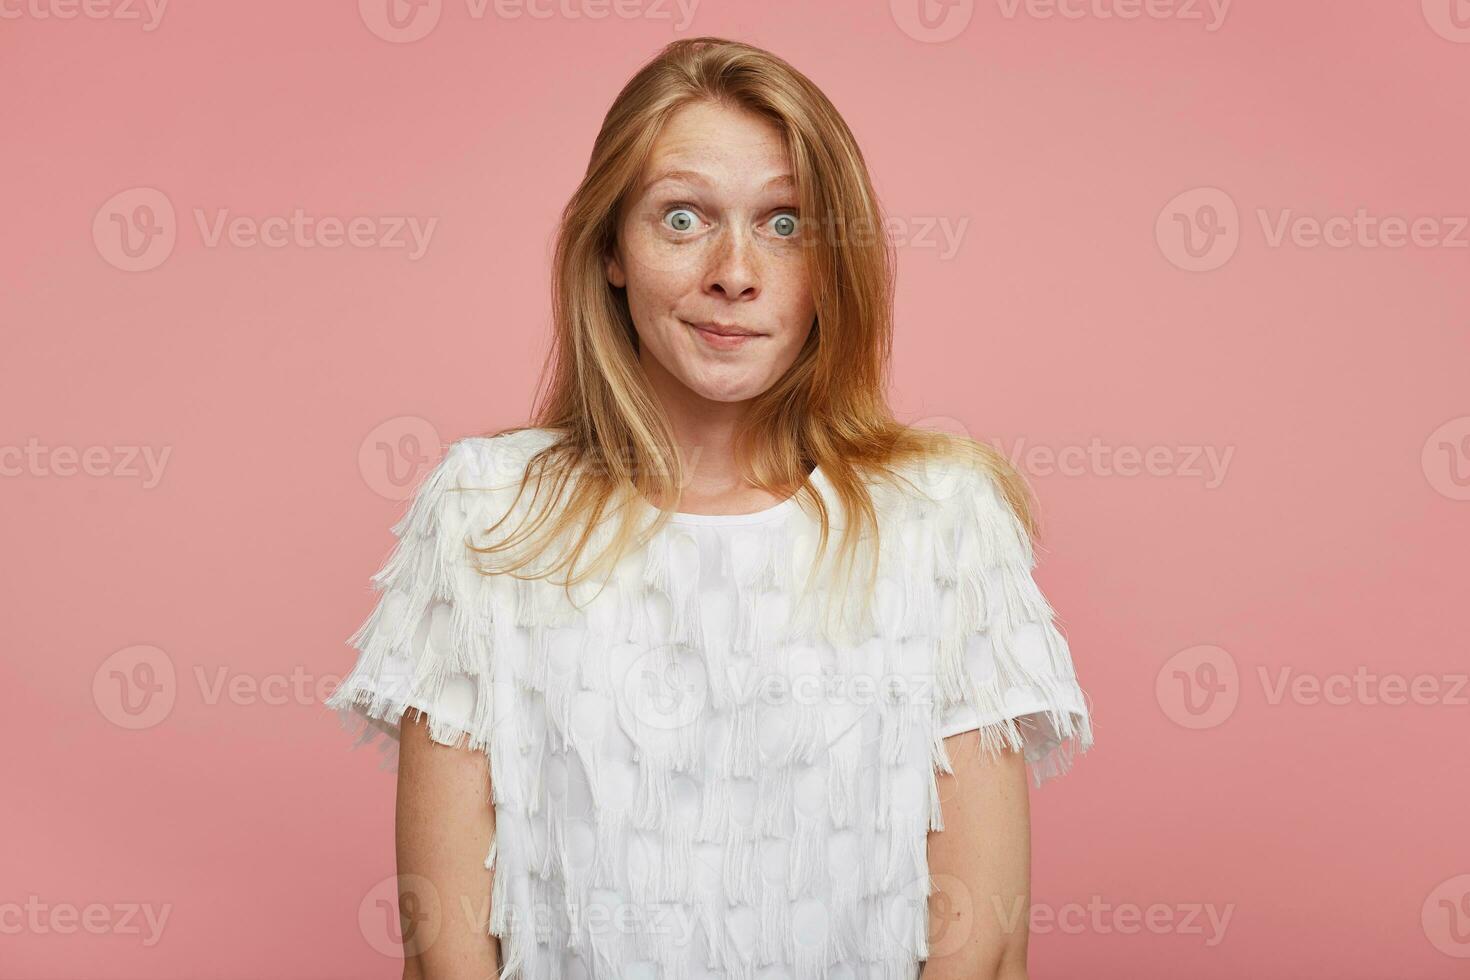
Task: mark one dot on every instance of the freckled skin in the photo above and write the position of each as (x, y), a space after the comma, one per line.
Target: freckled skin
(717, 247)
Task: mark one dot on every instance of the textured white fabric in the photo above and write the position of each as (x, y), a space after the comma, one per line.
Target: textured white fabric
(660, 814)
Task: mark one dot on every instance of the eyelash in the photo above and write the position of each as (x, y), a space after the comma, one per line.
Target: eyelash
(673, 206)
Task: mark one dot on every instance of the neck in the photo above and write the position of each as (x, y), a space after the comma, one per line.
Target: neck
(704, 431)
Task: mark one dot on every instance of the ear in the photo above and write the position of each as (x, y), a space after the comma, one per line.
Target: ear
(615, 274)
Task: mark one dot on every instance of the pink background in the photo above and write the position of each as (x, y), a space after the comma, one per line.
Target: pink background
(1332, 834)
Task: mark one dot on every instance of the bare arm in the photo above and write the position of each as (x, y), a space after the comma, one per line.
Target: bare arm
(981, 864)
(444, 825)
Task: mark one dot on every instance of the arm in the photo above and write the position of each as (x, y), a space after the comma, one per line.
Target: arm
(423, 682)
(981, 865)
(444, 823)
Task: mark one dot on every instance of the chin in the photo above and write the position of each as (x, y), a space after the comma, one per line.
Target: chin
(725, 395)
(728, 391)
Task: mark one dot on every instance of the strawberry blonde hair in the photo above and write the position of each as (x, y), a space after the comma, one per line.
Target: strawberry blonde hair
(615, 444)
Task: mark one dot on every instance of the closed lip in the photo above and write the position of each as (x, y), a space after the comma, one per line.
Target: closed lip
(724, 329)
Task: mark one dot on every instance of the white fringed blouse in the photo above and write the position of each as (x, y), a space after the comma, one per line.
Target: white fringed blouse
(694, 776)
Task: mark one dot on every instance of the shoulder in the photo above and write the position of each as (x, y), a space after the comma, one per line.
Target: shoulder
(974, 494)
(960, 471)
(475, 477)
(492, 461)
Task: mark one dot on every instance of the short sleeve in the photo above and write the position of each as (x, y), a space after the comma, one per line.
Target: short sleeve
(1005, 667)
(426, 644)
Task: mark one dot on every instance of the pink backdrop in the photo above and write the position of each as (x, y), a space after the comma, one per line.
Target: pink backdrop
(1202, 269)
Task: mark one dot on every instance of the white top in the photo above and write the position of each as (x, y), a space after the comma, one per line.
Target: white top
(660, 812)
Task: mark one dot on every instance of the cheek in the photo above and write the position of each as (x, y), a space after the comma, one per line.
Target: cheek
(659, 278)
(797, 304)
(656, 264)
(651, 300)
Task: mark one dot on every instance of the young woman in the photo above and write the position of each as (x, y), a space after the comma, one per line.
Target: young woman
(716, 669)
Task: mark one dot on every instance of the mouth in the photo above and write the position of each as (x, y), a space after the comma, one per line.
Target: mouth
(722, 336)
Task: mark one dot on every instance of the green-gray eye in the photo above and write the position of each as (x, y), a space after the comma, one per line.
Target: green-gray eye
(785, 225)
(683, 219)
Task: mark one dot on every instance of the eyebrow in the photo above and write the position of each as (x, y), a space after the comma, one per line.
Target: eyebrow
(694, 177)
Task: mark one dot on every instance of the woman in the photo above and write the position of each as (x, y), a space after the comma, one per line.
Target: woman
(716, 667)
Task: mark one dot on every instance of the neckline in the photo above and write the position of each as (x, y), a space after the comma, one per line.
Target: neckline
(753, 517)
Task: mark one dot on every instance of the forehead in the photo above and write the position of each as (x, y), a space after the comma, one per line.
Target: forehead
(705, 143)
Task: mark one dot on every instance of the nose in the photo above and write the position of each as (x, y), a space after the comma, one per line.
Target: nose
(733, 267)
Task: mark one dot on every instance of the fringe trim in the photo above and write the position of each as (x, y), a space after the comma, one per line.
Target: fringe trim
(502, 665)
(993, 615)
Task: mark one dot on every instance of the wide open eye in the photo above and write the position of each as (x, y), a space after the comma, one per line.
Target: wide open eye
(680, 219)
(785, 224)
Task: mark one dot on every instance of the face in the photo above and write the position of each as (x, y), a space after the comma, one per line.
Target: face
(709, 252)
